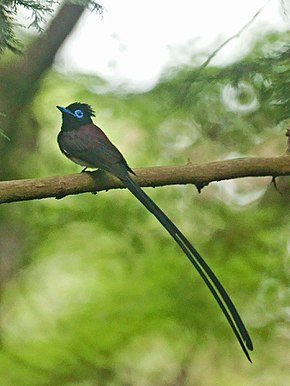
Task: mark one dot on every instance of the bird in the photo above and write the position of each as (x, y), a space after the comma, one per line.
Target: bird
(86, 144)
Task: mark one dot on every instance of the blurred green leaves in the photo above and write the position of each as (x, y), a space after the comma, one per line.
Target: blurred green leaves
(101, 295)
(39, 12)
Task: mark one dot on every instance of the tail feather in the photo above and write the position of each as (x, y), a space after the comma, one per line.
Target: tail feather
(210, 279)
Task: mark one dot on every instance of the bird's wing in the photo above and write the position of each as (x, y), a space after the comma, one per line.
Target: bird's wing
(92, 147)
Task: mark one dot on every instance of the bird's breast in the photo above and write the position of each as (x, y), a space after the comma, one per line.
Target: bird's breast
(65, 149)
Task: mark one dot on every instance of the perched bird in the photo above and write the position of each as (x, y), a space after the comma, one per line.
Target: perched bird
(86, 144)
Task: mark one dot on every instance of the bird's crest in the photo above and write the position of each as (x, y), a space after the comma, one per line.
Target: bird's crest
(87, 109)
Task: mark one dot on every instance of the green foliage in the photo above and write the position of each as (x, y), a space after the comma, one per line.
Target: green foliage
(102, 295)
(237, 102)
(2, 133)
(39, 12)
(8, 9)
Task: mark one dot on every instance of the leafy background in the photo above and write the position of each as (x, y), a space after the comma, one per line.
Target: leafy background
(94, 292)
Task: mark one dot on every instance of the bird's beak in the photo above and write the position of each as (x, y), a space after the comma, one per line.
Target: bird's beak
(64, 110)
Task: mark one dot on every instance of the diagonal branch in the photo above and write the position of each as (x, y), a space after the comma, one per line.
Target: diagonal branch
(192, 77)
(199, 175)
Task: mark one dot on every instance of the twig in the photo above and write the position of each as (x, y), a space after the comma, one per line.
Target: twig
(187, 83)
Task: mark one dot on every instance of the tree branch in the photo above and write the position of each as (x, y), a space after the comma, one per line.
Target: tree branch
(194, 76)
(199, 175)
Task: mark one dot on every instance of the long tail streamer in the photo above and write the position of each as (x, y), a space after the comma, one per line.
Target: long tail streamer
(210, 279)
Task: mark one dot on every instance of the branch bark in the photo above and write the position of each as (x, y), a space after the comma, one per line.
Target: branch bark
(199, 175)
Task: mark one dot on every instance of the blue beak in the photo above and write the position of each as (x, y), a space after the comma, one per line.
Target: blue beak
(64, 110)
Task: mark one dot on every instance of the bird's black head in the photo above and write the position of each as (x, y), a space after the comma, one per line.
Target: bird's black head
(75, 115)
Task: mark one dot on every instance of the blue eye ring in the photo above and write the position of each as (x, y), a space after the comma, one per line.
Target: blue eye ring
(78, 114)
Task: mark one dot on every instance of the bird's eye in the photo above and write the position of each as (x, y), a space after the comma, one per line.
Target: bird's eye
(79, 114)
